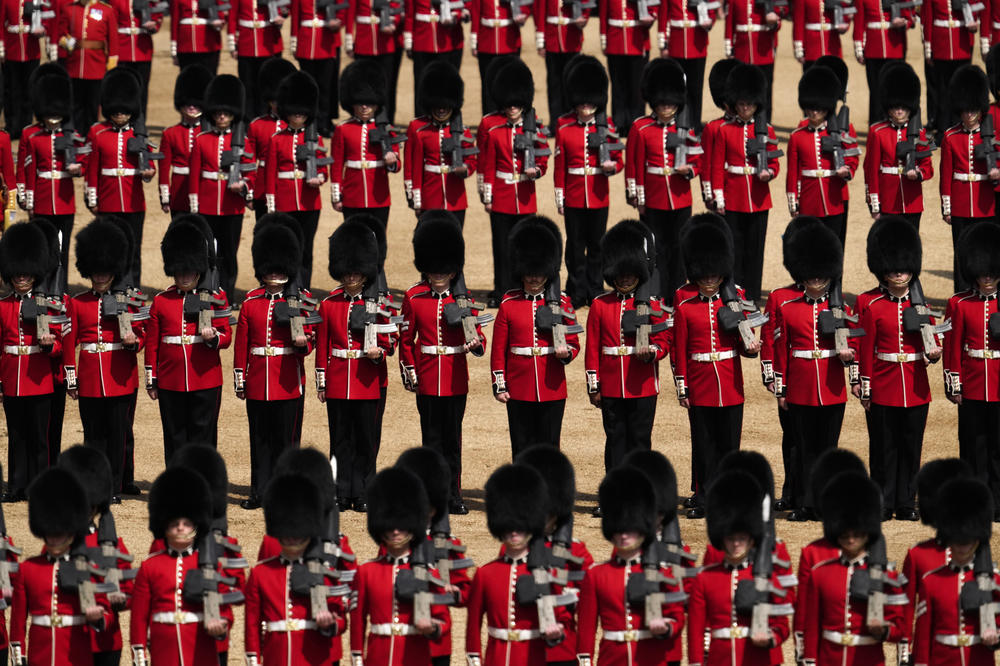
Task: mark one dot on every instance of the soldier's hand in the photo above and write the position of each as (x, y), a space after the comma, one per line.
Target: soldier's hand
(315, 182)
(209, 333)
(390, 158)
(561, 209)
(152, 393)
(659, 627)
(463, 171)
(683, 170)
(783, 403)
(753, 347)
(46, 340)
(867, 404)
(580, 22)
(957, 399)
(562, 351)
(684, 402)
(641, 208)
(761, 640)
(553, 632)
(898, 22)
(300, 341)
(541, 52)
(216, 628)
(321, 395)
(846, 355)
(912, 174)
(771, 18)
(994, 173)
(426, 626)
(878, 631)
(94, 614)
(646, 356)
(374, 353)
(130, 339)
(488, 207)
(73, 393)
(665, 51)
(973, 27)
(595, 400)
(990, 637)
(502, 397)
(844, 172)
(175, 61)
(765, 175)
(242, 395)
(473, 346)
(608, 167)
(165, 208)
(338, 206)
(521, 19)
(474, 50)
(533, 172)
(118, 601)
(856, 391)
(842, 28)
(75, 169)
(325, 619)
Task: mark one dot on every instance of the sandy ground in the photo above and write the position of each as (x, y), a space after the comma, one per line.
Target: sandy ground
(486, 440)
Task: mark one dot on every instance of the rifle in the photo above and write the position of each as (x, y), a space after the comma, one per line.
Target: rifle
(841, 10)
(669, 550)
(517, 7)
(701, 8)
(678, 141)
(754, 596)
(978, 595)
(321, 560)
(460, 313)
(966, 9)
(386, 10)
(769, 6)
(443, 547)
(869, 584)
(738, 314)
(297, 310)
(834, 321)
(211, 8)
(643, 7)
(917, 318)
(116, 301)
(139, 145)
(550, 318)
(383, 136)
(413, 584)
(598, 139)
(35, 12)
(525, 142)
(66, 142)
(6, 566)
(107, 556)
(45, 296)
(535, 587)
(307, 152)
(203, 301)
(643, 589)
(201, 585)
(639, 320)
(757, 146)
(330, 8)
(76, 576)
(231, 160)
(987, 150)
(457, 145)
(448, 8)
(144, 10)
(273, 8)
(364, 317)
(914, 148)
(576, 7)
(837, 134)
(895, 9)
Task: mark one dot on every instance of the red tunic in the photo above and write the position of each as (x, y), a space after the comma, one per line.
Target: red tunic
(873, 37)
(709, 135)
(946, 36)
(106, 368)
(966, 190)
(506, 188)
(269, 372)
(974, 378)
(493, 29)
(135, 43)
(610, 368)
(920, 560)
(656, 185)
(312, 38)
(20, 176)
(285, 187)
(176, 146)
(812, 554)
(554, 30)
(260, 131)
(340, 356)
(940, 616)
(770, 330)
(361, 31)
(114, 184)
(208, 184)
(48, 185)
(432, 184)
(748, 38)
(109, 638)
(681, 33)
(889, 191)
(190, 31)
(813, 31)
(424, 32)
(251, 33)
(621, 32)
(25, 369)
(893, 382)
(358, 175)
(741, 192)
(804, 378)
(94, 26)
(580, 182)
(810, 180)
(18, 44)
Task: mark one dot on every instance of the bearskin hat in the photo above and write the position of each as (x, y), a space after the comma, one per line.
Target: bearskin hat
(828, 465)
(628, 503)
(45, 70)
(431, 468)
(438, 245)
(514, 86)
(397, 500)
(378, 228)
(207, 462)
(707, 247)
(191, 85)
(734, 504)
(931, 478)
(52, 236)
(752, 463)
(893, 245)
(660, 473)
(717, 79)
(354, 249)
(793, 226)
(225, 93)
(298, 93)
(979, 250)
(746, 83)
(814, 251)
(276, 249)
(441, 86)
(270, 76)
(179, 492)
(535, 248)
(102, 247)
(839, 67)
(315, 466)
(489, 79)
(851, 501)
(282, 220)
(969, 90)
(53, 97)
(965, 511)
(624, 251)
(559, 475)
(587, 82)
(819, 89)
(514, 501)
(993, 70)
(24, 250)
(292, 508)
(57, 504)
(185, 248)
(900, 86)
(362, 82)
(121, 92)
(663, 82)
(93, 471)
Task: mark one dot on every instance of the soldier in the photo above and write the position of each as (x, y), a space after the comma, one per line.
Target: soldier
(949, 37)
(26, 374)
(178, 140)
(263, 127)
(495, 116)
(21, 52)
(371, 32)
(10, 557)
(495, 30)
(706, 356)
(43, 70)
(879, 39)
(992, 64)
(196, 32)
(624, 29)
(87, 31)
(683, 36)
(892, 184)
(717, 78)
(135, 40)
(272, 385)
(48, 622)
(558, 38)
(816, 32)
(751, 36)
(254, 35)
(432, 352)
(429, 35)
(315, 43)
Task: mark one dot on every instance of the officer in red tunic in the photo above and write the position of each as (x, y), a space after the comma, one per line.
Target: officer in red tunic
(263, 127)
(178, 140)
(20, 50)
(350, 348)
(268, 362)
(254, 35)
(558, 38)
(429, 35)
(879, 39)
(751, 36)
(432, 351)
(196, 32)
(816, 31)
(48, 624)
(717, 77)
(315, 43)
(683, 36)
(88, 31)
(949, 38)
(371, 33)
(135, 41)
(529, 375)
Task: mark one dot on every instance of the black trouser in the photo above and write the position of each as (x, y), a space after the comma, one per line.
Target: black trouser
(978, 441)
(86, 99)
(441, 429)
(555, 65)
(27, 438)
(16, 95)
(106, 424)
(533, 423)
(275, 426)
(144, 70)
(694, 73)
(749, 233)
(873, 72)
(189, 417)
(135, 222)
(248, 70)
(209, 60)
(420, 61)
(500, 226)
(627, 104)
(259, 209)
(63, 223)
(57, 413)
(787, 453)
(227, 230)
(958, 227)
(488, 103)
(109, 658)
(459, 215)
(912, 218)
(354, 442)
(585, 228)
(816, 430)
(308, 220)
(389, 63)
(837, 224)
(933, 101)
(715, 431)
(666, 226)
(381, 214)
(128, 467)
(901, 438)
(940, 77)
(628, 425)
(326, 71)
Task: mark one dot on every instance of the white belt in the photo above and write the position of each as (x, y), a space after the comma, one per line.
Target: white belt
(314, 23)
(814, 353)
(441, 350)
(363, 164)
(254, 25)
(181, 171)
(735, 631)
(565, 20)
(674, 23)
(291, 175)
(195, 20)
(393, 629)
(823, 27)
(714, 356)
(752, 27)
(618, 351)
(118, 172)
(851, 640)
(948, 23)
(893, 170)
(495, 22)
(622, 23)
(181, 339)
(969, 177)
(511, 178)
(427, 18)
(742, 170)
(660, 171)
(100, 347)
(532, 351)
(347, 353)
(58, 620)
(957, 640)
(878, 25)
(818, 173)
(366, 20)
(583, 171)
(628, 636)
(439, 168)
(178, 617)
(53, 175)
(971, 353)
(272, 351)
(22, 350)
(19, 29)
(130, 31)
(513, 635)
(898, 358)
(222, 175)
(293, 624)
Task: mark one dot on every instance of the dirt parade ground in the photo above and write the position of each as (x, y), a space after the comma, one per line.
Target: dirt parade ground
(486, 443)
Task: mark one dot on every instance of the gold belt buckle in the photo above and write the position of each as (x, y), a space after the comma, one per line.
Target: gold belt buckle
(589, 171)
(397, 629)
(623, 351)
(186, 339)
(748, 170)
(536, 351)
(353, 353)
(964, 640)
(846, 639)
(365, 164)
(817, 353)
(101, 347)
(988, 354)
(513, 635)
(435, 18)
(221, 175)
(952, 23)
(445, 169)
(120, 171)
(299, 174)
(22, 350)
(630, 636)
(901, 358)
(178, 617)
(197, 21)
(714, 356)
(56, 620)
(293, 624)
(268, 351)
(440, 350)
